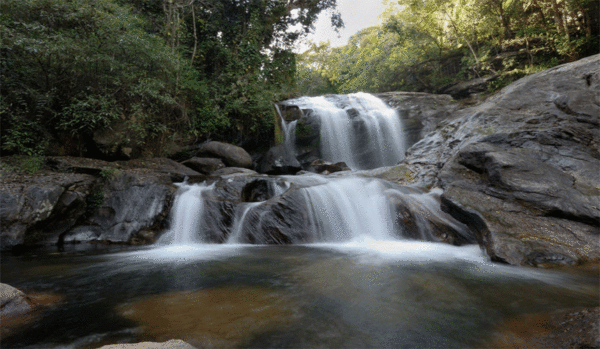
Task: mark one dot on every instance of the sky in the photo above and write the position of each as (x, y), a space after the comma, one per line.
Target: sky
(356, 14)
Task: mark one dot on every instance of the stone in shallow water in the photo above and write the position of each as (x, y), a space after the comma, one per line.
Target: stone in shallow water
(577, 328)
(172, 344)
(211, 318)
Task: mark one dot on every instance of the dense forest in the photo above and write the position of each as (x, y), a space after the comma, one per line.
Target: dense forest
(77, 74)
(431, 45)
(80, 76)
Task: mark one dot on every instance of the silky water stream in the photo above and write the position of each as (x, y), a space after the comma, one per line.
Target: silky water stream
(358, 283)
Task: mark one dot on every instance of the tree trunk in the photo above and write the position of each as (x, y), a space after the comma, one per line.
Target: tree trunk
(505, 22)
(559, 19)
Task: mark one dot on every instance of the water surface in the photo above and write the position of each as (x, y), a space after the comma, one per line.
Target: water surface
(363, 293)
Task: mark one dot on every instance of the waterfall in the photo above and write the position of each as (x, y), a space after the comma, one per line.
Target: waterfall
(348, 209)
(289, 133)
(238, 223)
(358, 129)
(186, 215)
(308, 209)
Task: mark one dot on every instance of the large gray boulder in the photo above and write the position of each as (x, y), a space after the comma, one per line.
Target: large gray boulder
(522, 170)
(231, 155)
(204, 165)
(13, 302)
(128, 208)
(38, 209)
(87, 200)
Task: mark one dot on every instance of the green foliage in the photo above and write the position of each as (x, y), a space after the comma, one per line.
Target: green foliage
(24, 164)
(110, 173)
(431, 45)
(145, 69)
(95, 199)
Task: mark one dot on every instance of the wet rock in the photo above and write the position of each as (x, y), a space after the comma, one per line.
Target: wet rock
(38, 209)
(88, 200)
(233, 171)
(417, 216)
(521, 169)
(204, 165)
(231, 155)
(321, 166)
(172, 344)
(132, 202)
(279, 220)
(278, 161)
(420, 112)
(13, 302)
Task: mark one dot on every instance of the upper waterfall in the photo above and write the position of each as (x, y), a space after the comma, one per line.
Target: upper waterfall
(358, 129)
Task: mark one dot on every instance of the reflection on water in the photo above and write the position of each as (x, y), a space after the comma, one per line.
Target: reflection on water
(362, 293)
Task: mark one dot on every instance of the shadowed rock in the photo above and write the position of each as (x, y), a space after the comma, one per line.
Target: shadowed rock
(231, 155)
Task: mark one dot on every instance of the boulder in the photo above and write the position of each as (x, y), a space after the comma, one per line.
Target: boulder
(522, 169)
(37, 209)
(322, 166)
(89, 201)
(124, 208)
(204, 165)
(279, 161)
(231, 155)
(13, 302)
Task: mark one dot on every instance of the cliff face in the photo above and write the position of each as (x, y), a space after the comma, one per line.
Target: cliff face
(523, 168)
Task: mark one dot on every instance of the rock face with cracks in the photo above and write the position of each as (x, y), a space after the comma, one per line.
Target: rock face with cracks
(522, 170)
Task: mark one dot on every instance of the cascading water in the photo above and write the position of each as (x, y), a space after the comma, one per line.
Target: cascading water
(307, 209)
(186, 215)
(358, 129)
(348, 209)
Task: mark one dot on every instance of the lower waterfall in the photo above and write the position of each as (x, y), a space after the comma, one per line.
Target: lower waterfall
(186, 216)
(309, 209)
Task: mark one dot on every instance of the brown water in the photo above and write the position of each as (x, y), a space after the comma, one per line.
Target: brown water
(366, 294)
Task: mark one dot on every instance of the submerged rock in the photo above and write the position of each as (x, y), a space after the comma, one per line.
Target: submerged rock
(172, 344)
(577, 328)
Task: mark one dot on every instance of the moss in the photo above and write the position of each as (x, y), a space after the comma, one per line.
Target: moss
(304, 130)
(109, 173)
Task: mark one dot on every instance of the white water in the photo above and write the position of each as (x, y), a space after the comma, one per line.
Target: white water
(358, 129)
(349, 208)
(289, 133)
(240, 219)
(186, 215)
